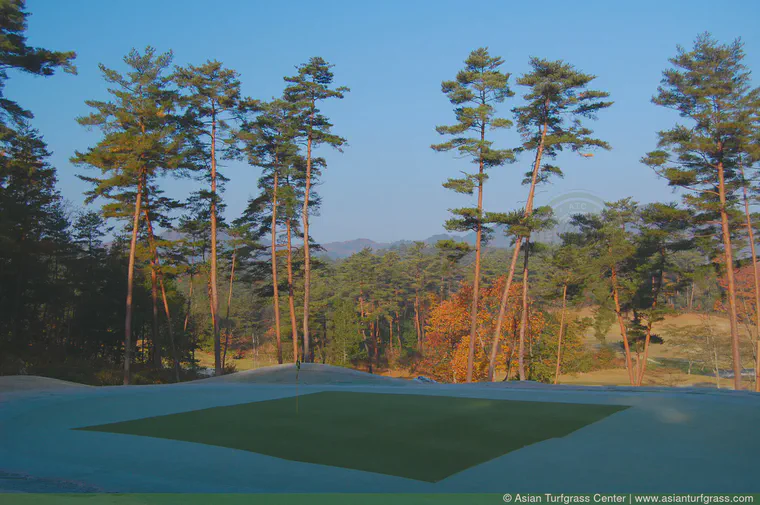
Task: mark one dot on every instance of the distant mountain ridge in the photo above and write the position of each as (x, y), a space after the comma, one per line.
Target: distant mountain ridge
(336, 250)
(344, 249)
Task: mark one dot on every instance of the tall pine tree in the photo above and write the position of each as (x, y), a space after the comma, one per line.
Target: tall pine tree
(268, 143)
(478, 88)
(551, 122)
(711, 89)
(305, 92)
(211, 96)
(139, 140)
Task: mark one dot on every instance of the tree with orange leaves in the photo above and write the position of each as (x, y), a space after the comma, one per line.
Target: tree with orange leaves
(447, 332)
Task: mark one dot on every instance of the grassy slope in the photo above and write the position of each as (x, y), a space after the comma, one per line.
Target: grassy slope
(656, 376)
(720, 324)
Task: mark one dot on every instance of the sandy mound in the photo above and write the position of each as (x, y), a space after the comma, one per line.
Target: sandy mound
(12, 383)
(311, 373)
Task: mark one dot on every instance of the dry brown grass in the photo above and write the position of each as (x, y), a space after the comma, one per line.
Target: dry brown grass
(398, 374)
(206, 360)
(719, 323)
(662, 377)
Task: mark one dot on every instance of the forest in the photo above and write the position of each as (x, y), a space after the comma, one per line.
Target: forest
(138, 285)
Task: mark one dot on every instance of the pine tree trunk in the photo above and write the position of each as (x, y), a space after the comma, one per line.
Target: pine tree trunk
(144, 349)
(276, 296)
(656, 290)
(502, 312)
(513, 264)
(154, 325)
(390, 339)
(621, 323)
(691, 297)
(561, 327)
(130, 280)
(422, 328)
(729, 258)
(214, 293)
(324, 340)
(291, 299)
(362, 314)
(643, 365)
(229, 303)
(171, 331)
(398, 331)
(511, 358)
(375, 344)
(153, 288)
(154, 250)
(476, 280)
(756, 277)
(528, 212)
(417, 325)
(306, 253)
(189, 301)
(379, 341)
(523, 316)
(210, 302)
(478, 252)
(529, 337)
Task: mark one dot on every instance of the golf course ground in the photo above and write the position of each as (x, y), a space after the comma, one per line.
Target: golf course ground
(343, 431)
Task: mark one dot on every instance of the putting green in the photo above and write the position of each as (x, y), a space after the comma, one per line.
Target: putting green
(426, 438)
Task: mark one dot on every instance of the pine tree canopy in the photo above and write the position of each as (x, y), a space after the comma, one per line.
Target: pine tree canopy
(16, 54)
(475, 92)
(710, 87)
(478, 88)
(304, 92)
(558, 100)
(140, 136)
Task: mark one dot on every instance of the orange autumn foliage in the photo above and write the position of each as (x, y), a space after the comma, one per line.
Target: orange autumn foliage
(448, 325)
(459, 362)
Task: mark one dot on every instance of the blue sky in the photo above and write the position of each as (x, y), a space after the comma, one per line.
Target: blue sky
(393, 55)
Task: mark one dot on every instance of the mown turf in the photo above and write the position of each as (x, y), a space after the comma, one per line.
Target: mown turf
(426, 438)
